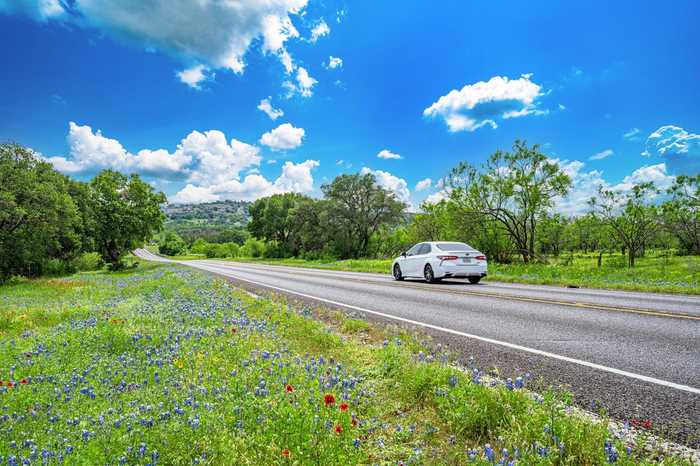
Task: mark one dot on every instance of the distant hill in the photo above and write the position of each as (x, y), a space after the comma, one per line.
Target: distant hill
(206, 220)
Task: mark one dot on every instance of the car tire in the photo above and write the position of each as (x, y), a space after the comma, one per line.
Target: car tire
(428, 274)
(474, 280)
(397, 273)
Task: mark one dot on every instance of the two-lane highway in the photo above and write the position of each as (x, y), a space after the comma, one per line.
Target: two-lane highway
(635, 354)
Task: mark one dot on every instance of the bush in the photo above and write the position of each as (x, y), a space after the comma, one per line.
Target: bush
(171, 244)
(88, 262)
(274, 250)
(253, 248)
(54, 267)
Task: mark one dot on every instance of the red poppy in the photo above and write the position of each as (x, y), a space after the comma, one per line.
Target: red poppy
(233, 330)
(10, 384)
(24, 381)
(289, 388)
(646, 424)
(635, 422)
(1, 383)
(353, 422)
(338, 429)
(285, 453)
(329, 399)
(344, 407)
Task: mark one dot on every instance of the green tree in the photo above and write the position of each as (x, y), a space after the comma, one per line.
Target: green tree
(171, 244)
(631, 220)
(682, 212)
(271, 219)
(39, 220)
(550, 233)
(514, 189)
(357, 208)
(127, 213)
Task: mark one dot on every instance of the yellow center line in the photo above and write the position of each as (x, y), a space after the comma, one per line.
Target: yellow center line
(593, 306)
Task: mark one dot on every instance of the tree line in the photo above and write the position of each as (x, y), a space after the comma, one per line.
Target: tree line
(50, 222)
(505, 208)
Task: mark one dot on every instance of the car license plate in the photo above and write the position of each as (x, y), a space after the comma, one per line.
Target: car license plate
(466, 260)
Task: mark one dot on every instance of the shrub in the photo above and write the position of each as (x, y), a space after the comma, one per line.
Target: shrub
(171, 244)
(253, 248)
(88, 262)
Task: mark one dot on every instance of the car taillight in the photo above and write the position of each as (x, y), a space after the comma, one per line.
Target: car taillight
(480, 258)
(448, 258)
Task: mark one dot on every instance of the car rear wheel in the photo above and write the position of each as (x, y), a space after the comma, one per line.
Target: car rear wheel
(397, 273)
(474, 280)
(429, 275)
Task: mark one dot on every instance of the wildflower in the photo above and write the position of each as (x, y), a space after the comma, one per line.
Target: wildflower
(233, 330)
(488, 452)
(338, 429)
(289, 388)
(285, 453)
(646, 424)
(353, 422)
(356, 443)
(329, 399)
(344, 407)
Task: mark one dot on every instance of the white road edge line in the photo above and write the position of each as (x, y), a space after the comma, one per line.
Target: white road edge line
(526, 349)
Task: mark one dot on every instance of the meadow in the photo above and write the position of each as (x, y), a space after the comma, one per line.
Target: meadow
(166, 365)
(657, 272)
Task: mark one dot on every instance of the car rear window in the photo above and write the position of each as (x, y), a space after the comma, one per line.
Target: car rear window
(454, 247)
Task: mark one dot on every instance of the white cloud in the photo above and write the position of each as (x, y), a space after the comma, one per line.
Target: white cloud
(482, 103)
(334, 62)
(304, 84)
(194, 76)
(320, 30)
(270, 111)
(585, 184)
(601, 155)
(216, 159)
(632, 134)
(390, 182)
(387, 154)
(562, 107)
(438, 196)
(424, 184)
(679, 148)
(294, 178)
(284, 137)
(214, 33)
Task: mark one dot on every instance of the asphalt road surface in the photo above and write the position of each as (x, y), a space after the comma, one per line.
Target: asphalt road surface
(634, 355)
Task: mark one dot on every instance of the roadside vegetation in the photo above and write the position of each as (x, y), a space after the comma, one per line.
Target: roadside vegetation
(638, 238)
(167, 365)
(51, 224)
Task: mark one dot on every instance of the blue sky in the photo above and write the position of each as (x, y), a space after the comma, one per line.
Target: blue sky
(172, 90)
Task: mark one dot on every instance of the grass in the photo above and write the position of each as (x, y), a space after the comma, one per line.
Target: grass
(167, 365)
(655, 273)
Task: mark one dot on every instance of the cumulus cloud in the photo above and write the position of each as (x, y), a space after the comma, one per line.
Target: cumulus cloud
(632, 134)
(266, 107)
(424, 184)
(601, 155)
(679, 148)
(334, 62)
(585, 184)
(387, 154)
(320, 30)
(294, 178)
(284, 137)
(485, 102)
(214, 33)
(390, 182)
(303, 86)
(194, 76)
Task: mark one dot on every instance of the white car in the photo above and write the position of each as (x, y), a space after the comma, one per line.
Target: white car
(436, 260)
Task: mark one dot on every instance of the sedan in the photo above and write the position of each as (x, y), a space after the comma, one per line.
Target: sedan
(436, 260)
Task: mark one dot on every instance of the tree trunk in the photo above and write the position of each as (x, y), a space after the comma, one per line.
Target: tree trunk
(600, 259)
(631, 257)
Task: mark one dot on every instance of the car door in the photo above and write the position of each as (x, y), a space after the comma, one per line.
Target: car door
(421, 258)
(410, 262)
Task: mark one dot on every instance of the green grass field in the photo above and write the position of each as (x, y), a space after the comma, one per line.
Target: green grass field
(662, 274)
(167, 365)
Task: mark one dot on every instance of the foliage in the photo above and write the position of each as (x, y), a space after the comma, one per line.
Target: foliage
(682, 212)
(357, 208)
(40, 224)
(272, 220)
(127, 213)
(253, 248)
(171, 244)
(88, 261)
(514, 189)
(631, 221)
(185, 369)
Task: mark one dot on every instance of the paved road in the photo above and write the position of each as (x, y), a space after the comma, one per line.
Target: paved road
(634, 354)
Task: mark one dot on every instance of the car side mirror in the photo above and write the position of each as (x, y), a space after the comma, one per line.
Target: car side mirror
(403, 254)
